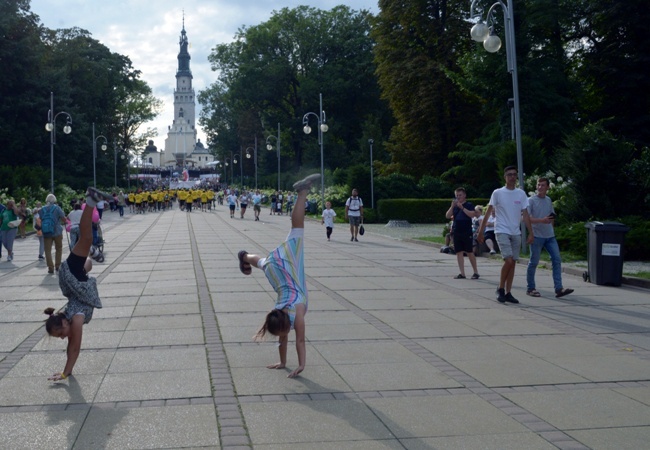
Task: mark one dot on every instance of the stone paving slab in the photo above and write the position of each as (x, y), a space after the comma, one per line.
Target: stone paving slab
(166, 427)
(399, 353)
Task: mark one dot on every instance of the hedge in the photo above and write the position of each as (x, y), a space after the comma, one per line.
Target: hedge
(418, 210)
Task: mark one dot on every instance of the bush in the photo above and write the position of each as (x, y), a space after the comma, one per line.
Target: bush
(418, 210)
(573, 238)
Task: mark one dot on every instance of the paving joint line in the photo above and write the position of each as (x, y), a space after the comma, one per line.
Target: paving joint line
(225, 398)
(496, 399)
(27, 345)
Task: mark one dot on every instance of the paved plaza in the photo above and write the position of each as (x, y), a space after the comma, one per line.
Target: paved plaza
(400, 355)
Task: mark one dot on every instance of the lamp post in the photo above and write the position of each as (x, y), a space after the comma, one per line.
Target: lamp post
(483, 32)
(128, 168)
(226, 163)
(269, 147)
(104, 147)
(51, 127)
(114, 163)
(322, 128)
(254, 155)
(241, 167)
(372, 177)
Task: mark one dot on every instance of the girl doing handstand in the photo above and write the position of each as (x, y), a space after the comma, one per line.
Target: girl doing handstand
(285, 270)
(78, 287)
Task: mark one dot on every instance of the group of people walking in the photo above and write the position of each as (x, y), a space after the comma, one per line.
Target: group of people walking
(508, 207)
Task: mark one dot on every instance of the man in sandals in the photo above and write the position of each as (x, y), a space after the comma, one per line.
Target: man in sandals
(542, 218)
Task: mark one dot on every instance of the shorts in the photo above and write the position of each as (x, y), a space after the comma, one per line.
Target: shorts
(243, 205)
(257, 208)
(490, 235)
(354, 220)
(510, 244)
(463, 242)
(232, 207)
(285, 270)
(79, 288)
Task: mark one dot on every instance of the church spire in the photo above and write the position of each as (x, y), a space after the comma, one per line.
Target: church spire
(183, 54)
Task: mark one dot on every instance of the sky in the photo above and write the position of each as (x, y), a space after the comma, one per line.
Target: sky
(148, 31)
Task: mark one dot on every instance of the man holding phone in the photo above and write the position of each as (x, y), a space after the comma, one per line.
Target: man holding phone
(542, 217)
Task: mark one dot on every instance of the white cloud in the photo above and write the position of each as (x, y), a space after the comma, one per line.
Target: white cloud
(147, 31)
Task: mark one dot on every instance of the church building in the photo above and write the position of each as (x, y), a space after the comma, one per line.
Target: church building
(182, 149)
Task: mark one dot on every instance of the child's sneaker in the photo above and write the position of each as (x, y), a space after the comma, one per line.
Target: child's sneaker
(306, 182)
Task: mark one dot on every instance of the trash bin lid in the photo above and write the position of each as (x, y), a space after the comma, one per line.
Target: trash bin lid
(607, 226)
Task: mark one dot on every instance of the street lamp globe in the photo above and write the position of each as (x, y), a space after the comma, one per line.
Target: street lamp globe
(49, 126)
(104, 147)
(307, 129)
(269, 147)
(479, 32)
(324, 127)
(492, 44)
(67, 129)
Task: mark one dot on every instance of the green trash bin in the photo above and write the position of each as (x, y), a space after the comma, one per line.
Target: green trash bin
(605, 252)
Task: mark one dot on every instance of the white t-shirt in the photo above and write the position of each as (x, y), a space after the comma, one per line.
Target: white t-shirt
(354, 204)
(508, 205)
(100, 204)
(75, 217)
(328, 217)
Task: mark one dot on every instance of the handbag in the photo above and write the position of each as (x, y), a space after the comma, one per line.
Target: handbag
(361, 230)
(14, 223)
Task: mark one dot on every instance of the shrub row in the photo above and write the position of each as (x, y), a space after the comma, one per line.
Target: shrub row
(418, 210)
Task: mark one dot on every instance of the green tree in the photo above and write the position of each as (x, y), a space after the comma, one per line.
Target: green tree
(611, 46)
(273, 72)
(595, 160)
(418, 46)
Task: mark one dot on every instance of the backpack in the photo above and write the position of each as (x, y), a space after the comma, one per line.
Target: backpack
(47, 221)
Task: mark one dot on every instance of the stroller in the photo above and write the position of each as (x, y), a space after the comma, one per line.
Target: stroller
(97, 249)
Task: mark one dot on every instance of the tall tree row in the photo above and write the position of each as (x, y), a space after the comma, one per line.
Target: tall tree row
(91, 83)
(274, 72)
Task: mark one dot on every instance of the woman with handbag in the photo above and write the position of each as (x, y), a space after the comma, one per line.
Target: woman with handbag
(8, 227)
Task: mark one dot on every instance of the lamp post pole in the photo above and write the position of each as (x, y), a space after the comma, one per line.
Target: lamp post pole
(483, 32)
(51, 127)
(104, 147)
(269, 147)
(372, 177)
(322, 128)
(254, 155)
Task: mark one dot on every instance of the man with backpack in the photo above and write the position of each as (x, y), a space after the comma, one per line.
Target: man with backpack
(354, 213)
(52, 216)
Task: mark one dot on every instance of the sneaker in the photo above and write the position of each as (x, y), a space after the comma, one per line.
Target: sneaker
(306, 182)
(356, 240)
(510, 298)
(476, 276)
(492, 252)
(41, 257)
(352, 239)
(501, 295)
(10, 257)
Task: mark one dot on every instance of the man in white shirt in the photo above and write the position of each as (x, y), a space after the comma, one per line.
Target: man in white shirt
(354, 214)
(509, 204)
